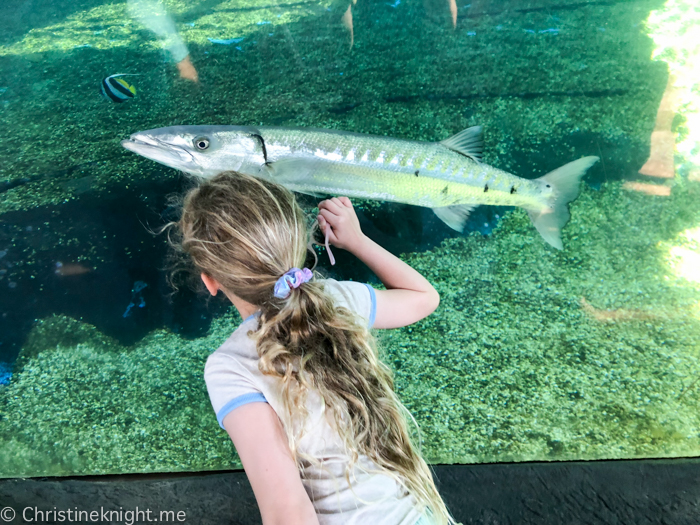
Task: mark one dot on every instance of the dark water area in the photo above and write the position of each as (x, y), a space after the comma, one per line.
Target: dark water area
(83, 258)
(87, 259)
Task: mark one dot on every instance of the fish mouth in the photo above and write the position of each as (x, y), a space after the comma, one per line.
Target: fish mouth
(160, 151)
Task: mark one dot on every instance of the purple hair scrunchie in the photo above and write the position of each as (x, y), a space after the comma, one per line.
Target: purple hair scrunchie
(294, 278)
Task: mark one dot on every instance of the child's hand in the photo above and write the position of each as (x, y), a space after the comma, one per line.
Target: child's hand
(339, 223)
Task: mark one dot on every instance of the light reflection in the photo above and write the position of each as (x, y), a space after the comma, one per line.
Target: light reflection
(453, 12)
(347, 22)
(684, 257)
(679, 47)
(153, 15)
(663, 141)
(680, 50)
(649, 189)
(617, 315)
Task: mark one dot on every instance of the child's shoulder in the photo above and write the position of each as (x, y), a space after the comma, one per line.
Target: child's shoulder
(238, 346)
(358, 297)
(344, 291)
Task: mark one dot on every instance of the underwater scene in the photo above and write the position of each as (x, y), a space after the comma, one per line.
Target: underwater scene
(534, 354)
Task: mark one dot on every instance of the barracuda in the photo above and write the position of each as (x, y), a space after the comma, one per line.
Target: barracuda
(446, 176)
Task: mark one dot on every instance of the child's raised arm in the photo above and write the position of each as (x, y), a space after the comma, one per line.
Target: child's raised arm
(409, 297)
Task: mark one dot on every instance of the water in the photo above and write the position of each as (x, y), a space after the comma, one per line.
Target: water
(534, 354)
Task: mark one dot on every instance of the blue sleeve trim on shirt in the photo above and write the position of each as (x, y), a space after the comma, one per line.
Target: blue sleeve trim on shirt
(373, 308)
(251, 316)
(253, 397)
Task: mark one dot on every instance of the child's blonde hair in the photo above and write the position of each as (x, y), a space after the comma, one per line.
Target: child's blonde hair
(246, 233)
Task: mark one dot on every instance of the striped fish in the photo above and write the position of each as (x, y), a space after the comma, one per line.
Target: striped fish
(117, 89)
(447, 176)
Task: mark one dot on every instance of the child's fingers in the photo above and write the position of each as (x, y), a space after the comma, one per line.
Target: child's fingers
(330, 206)
(327, 220)
(336, 205)
(327, 230)
(323, 224)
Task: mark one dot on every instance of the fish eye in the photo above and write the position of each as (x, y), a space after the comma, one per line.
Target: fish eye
(201, 143)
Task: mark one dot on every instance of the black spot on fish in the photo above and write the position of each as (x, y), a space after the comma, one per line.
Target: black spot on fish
(486, 188)
(548, 186)
(417, 173)
(262, 145)
(444, 190)
(512, 190)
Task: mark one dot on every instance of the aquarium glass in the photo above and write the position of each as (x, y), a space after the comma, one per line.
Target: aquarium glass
(535, 353)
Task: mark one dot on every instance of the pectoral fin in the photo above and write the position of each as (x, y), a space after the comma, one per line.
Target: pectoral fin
(455, 216)
(294, 174)
(298, 174)
(291, 170)
(312, 194)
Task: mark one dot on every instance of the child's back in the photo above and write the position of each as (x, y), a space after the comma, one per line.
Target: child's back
(232, 373)
(299, 386)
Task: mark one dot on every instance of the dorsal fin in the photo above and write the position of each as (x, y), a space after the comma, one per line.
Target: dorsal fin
(468, 142)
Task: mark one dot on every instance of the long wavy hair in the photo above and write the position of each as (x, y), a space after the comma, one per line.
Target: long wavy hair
(245, 233)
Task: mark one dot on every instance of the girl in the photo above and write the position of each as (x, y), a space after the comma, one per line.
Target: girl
(298, 386)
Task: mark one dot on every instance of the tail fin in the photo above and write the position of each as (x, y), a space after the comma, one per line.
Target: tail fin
(565, 182)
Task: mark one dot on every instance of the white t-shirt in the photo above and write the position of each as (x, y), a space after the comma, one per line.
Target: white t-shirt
(233, 379)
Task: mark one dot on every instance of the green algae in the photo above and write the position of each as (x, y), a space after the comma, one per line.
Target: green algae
(533, 92)
(62, 331)
(510, 367)
(100, 409)
(513, 368)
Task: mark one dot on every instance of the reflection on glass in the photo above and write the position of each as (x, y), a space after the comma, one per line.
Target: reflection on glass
(453, 12)
(660, 163)
(534, 354)
(347, 22)
(153, 15)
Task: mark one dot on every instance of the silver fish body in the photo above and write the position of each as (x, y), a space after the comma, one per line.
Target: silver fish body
(445, 176)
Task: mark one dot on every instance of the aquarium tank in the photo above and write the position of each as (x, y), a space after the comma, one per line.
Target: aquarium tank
(534, 354)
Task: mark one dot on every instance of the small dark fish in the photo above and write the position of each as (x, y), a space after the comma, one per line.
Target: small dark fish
(70, 269)
(5, 373)
(117, 89)
(136, 297)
